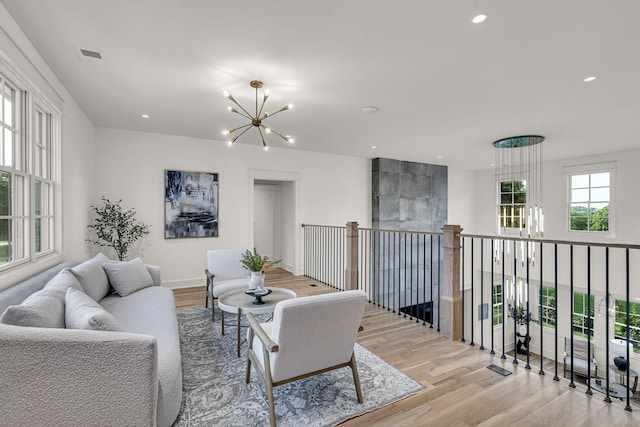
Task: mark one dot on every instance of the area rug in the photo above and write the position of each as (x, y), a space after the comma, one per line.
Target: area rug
(215, 393)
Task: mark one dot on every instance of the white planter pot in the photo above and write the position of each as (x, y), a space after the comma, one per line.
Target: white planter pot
(256, 280)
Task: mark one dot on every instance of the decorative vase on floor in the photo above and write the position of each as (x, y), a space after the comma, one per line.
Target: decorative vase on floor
(256, 280)
(621, 363)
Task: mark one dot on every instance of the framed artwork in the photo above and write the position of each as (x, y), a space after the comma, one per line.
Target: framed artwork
(191, 204)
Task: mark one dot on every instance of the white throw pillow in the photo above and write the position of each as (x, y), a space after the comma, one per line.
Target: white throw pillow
(64, 280)
(92, 277)
(128, 277)
(82, 312)
(42, 309)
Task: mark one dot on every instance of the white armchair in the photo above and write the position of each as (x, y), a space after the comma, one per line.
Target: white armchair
(580, 360)
(224, 273)
(307, 336)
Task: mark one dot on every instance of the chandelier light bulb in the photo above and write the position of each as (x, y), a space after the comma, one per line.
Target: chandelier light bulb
(225, 132)
(226, 93)
(229, 143)
(267, 130)
(290, 140)
(266, 148)
(290, 106)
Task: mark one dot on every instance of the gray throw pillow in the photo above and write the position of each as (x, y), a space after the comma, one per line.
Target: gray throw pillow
(128, 277)
(92, 277)
(42, 309)
(64, 280)
(82, 312)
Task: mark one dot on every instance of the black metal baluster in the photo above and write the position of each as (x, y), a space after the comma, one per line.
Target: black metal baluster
(589, 321)
(482, 294)
(504, 308)
(607, 398)
(439, 281)
(424, 279)
(526, 338)
(431, 288)
(541, 371)
(555, 309)
(389, 259)
(461, 278)
(411, 277)
(515, 302)
(571, 384)
(405, 275)
(491, 309)
(472, 290)
(628, 384)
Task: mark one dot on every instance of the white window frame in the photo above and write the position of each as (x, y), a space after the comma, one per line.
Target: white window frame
(30, 99)
(585, 169)
(497, 305)
(509, 178)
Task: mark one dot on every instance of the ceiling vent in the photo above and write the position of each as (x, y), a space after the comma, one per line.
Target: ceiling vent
(90, 54)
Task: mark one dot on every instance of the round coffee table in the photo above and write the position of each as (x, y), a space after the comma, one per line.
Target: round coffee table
(238, 302)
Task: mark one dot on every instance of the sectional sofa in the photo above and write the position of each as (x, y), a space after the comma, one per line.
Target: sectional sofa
(74, 352)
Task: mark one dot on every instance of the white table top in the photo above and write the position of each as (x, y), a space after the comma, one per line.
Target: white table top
(233, 301)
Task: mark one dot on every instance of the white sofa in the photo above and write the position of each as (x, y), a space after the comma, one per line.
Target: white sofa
(78, 377)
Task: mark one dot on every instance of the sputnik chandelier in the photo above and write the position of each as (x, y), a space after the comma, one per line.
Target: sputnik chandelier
(257, 119)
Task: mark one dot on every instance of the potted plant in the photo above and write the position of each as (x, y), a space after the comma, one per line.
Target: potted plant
(116, 228)
(256, 264)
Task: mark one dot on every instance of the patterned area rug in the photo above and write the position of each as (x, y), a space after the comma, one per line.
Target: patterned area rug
(215, 394)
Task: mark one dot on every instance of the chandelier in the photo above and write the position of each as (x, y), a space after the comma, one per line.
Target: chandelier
(257, 119)
(518, 174)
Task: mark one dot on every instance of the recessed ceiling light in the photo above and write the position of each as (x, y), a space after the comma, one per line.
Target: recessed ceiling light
(439, 157)
(370, 109)
(373, 147)
(479, 19)
(145, 116)
(590, 79)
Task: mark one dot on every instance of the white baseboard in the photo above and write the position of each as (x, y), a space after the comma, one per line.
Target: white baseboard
(185, 283)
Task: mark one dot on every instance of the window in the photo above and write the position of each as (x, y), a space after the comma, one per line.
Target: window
(513, 198)
(27, 179)
(497, 304)
(589, 203)
(548, 307)
(582, 314)
(620, 323)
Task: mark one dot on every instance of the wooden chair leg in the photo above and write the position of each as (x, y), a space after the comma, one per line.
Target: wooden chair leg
(249, 349)
(356, 377)
(272, 406)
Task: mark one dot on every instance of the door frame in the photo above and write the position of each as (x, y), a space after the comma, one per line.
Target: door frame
(279, 176)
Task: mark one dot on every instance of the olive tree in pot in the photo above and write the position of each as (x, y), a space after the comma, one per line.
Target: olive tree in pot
(116, 228)
(256, 264)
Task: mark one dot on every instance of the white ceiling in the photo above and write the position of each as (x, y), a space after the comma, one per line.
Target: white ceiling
(444, 86)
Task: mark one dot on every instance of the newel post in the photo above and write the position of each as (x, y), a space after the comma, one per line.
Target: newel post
(351, 271)
(450, 299)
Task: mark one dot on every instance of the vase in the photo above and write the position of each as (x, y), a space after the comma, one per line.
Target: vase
(621, 363)
(256, 280)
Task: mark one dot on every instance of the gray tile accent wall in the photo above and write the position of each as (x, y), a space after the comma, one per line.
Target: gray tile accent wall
(407, 196)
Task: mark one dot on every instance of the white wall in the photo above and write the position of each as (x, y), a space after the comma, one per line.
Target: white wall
(77, 151)
(332, 190)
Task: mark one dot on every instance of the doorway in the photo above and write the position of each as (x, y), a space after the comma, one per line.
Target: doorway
(274, 219)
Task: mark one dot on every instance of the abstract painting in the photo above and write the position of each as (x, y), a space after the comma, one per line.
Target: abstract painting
(191, 204)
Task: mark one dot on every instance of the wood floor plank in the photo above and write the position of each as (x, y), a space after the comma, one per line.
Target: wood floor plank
(461, 391)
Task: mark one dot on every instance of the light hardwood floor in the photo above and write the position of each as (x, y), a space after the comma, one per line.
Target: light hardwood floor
(461, 391)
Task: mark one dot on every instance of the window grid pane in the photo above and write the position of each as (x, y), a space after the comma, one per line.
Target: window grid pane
(620, 323)
(590, 200)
